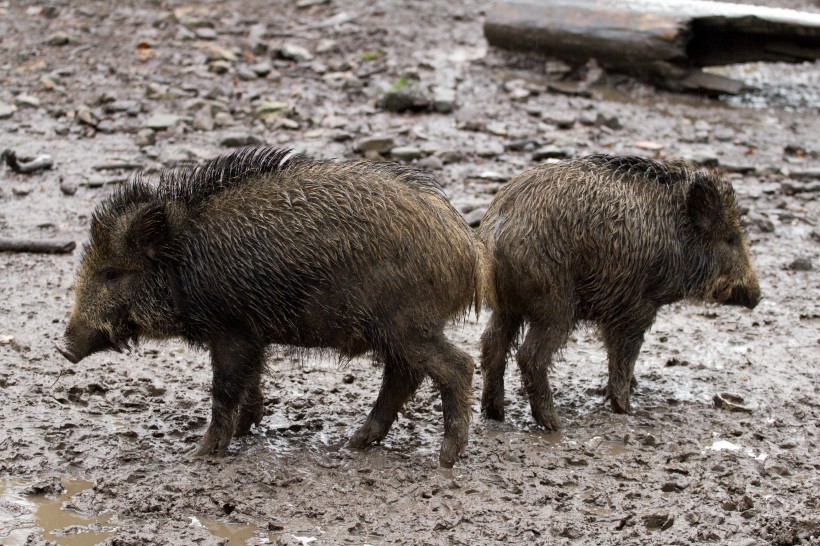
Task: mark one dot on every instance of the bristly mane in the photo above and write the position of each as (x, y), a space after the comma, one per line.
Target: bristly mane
(639, 168)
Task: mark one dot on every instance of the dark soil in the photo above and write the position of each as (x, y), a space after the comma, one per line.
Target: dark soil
(86, 77)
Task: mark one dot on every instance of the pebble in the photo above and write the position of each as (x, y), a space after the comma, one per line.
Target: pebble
(26, 100)
(246, 74)
(801, 264)
(234, 140)
(219, 67)
(261, 69)
(67, 188)
(562, 121)
(223, 119)
(7, 110)
(405, 153)
(160, 122)
(204, 119)
(58, 39)
(86, 116)
(444, 99)
(205, 33)
(551, 152)
(271, 109)
(374, 144)
(295, 53)
(145, 137)
(405, 95)
(491, 149)
(303, 4)
(474, 217)
(431, 162)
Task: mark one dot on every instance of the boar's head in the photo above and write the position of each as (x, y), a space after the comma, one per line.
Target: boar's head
(121, 289)
(721, 258)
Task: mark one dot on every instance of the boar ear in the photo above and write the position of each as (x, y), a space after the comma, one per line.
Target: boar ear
(148, 232)
(704, 205)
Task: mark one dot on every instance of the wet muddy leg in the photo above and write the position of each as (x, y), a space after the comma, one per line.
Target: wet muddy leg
(237, 364)
(535, 360)
(623, 346)
(496, 341)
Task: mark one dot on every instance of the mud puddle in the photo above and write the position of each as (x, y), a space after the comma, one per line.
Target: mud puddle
(21, 516)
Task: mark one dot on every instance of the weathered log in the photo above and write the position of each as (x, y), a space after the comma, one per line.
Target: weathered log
(662, 41)
(37, 246)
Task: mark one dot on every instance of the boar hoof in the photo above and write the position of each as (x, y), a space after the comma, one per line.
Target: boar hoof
(370, 433)
(492, 411)
(451, 449)
(620, 404)
(548, 420)
(215, 443)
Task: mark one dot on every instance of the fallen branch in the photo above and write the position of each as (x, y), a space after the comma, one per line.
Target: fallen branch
(39, 247)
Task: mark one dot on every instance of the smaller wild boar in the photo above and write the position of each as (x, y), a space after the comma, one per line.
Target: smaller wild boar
(607, 240)
(262, 247)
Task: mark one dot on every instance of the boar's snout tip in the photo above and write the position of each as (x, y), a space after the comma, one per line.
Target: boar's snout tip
(67, 353)
(748, 298)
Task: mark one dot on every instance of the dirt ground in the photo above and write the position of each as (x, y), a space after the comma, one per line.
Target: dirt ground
(99, 451)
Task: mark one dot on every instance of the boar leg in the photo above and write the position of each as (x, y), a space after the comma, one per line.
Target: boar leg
(237, 364)
(451, 369)
(399, 384)
(535, 360)
(253, 402)
(495, 346)
(623, 343)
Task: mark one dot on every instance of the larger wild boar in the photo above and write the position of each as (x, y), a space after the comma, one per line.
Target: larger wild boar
(609, 240)
(261, 247)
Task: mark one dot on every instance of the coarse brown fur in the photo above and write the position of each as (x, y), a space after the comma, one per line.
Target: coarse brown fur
(264, 247)
(608, 240)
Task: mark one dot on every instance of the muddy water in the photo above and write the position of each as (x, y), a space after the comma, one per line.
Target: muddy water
(47, 515)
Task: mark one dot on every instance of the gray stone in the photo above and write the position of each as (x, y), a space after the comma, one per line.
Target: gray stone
(58, 39)
(474, 217)
(491, 149)
(431, 162)
(204, 119)
(145, 137)
(223, 119)
(271, 109)
(405, 153)
(86, 116)
(374, 144)
(27, 100)
(261, 69)
(122, 106)
(68, 188)
(560, 120)
(295, 53)
(219, 67)
(234, 140)
(406, 95)
(303, 4)
(7, 110)
(801, 264)
(444, 99)
(551, 152)
(160, 122)
(246, 74)
(205, 33)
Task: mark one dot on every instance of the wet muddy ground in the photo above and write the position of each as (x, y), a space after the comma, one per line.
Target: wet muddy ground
(99, 451)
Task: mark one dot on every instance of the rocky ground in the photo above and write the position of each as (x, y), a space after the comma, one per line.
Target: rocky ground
(99, 451)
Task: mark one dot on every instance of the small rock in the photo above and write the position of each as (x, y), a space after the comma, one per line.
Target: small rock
(204, 119)
(474, 217)
(522, 145)
(145, 137)
(234, 140)
(378, 144)
(205, 33)
(660, 521)
(287, 123)
(569, 88)
(68, 188)
(348, 379)
(261, 69)
(219, 67)
(551, 152)
(223, 119)
(405, 153)
(295, 53)
(122, 106)
(7, 110)
(760, 221)
(51, 487)
(303, 4)
(801, 264)
(336, 122)
(58, 39)
(491, 149)
(560, 120)
(86, 116)
(788, 444)
(246, 74)
(161, 122)
(271, 109)
(27, 100)
(431, 162)
(405, 95)
(444, 99)
(608, 121)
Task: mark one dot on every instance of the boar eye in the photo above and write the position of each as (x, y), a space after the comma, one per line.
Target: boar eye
(733, 240)
(111, 275)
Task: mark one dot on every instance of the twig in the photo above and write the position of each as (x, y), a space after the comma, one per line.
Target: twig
(38, 163)
(39, 247)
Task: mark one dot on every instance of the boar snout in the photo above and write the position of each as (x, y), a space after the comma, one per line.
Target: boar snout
(746, 296)
(79, 342)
